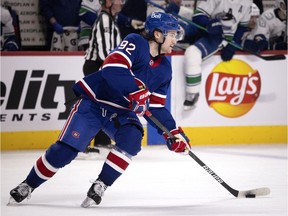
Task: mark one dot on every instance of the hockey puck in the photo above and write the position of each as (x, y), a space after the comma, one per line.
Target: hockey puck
(250, 196)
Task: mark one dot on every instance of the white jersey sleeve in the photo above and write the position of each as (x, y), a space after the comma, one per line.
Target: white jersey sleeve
(186, 12)
(7, 21)
(207, 7)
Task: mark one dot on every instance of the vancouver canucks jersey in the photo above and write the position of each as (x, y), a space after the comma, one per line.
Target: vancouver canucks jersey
(87, 6)
(268, 25)
(229, 12)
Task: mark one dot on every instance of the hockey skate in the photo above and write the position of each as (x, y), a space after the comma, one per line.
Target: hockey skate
(106, 145)
(95, 194)
(21, 192)
(92, 149)
(102, 140)
(190, 101)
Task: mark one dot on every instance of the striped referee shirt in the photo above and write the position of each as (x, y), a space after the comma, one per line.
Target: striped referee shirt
(105, 36)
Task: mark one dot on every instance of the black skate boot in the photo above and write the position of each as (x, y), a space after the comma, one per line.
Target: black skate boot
(101, 140)
(190, 101)
(95, 194)
(91, 149)
(21, 192)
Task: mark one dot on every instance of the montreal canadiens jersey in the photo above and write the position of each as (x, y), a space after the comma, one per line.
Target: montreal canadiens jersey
(127, 69)
(231, 13)
(268, 25)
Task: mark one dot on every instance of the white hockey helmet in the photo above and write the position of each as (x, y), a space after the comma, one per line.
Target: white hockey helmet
(103, 2)
(282, 5)
(255, 11)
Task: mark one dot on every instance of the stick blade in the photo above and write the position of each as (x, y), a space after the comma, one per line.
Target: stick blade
(257, 192)
(274, 57)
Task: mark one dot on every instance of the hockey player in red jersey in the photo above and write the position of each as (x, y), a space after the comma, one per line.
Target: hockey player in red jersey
(133, 78)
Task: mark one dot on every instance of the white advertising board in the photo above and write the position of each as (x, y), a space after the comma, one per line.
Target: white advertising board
(34, 90)
(270, 108)
(35, 87)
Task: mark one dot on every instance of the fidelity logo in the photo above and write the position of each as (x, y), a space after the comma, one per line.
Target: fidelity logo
(31, 96)
(232, 88)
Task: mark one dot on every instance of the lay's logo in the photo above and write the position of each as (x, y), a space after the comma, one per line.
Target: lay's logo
(232, 88)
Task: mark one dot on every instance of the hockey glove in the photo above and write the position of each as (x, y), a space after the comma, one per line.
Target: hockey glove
(251, 45)
(10, 46)
(190, 30)
(58, 28)
(228, 52)
(282, 45)
(172, 8)
(180, 144)
(215, 27)
(261, 41)
(139, 101)
(89, 17)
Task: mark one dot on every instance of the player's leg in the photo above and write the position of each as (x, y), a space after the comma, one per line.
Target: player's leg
(57, 156)
(192, 70)
(101, 139)
(75, 136)
(128, 143)
(193, 57)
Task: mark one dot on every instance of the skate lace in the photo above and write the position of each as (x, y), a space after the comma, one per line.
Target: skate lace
(99, 187)
(24, 190)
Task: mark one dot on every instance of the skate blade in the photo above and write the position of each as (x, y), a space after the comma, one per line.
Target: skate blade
(11, 201)
(187, 108)
(88, 156)
(88, 202)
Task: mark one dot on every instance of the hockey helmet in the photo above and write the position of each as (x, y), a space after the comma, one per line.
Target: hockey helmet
(162, 22)
(103, 2)
(255, 11)
(282, 5)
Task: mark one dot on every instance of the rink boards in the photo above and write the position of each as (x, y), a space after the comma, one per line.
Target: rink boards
(244, 101)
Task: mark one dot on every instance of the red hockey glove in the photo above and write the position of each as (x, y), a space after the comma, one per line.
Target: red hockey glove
(139, 101)
(180, 144)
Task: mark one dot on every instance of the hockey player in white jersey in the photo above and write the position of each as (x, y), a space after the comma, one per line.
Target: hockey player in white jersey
(88, 14)
(271, 25)
(221, 18)
(255, 14)
(8, 37)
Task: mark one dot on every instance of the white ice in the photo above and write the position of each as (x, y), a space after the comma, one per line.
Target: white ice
(157, 182)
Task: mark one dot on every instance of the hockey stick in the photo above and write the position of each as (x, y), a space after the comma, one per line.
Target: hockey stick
(266, 58)
(239, 194)
(195, 5)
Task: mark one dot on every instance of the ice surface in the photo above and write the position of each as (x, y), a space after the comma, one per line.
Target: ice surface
(157, 182)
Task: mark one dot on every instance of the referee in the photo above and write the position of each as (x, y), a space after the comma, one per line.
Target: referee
(105, 36)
